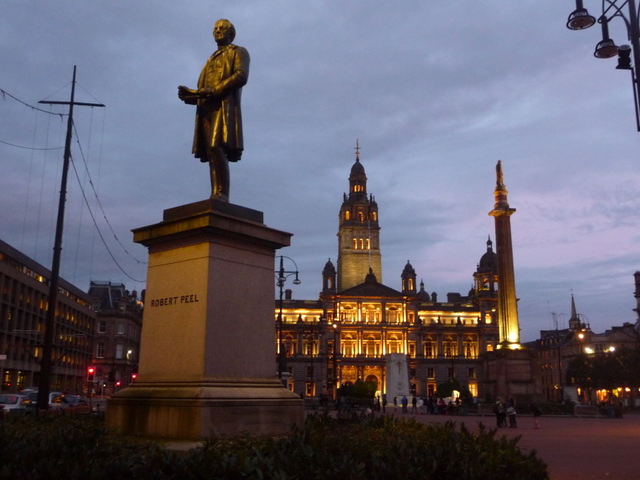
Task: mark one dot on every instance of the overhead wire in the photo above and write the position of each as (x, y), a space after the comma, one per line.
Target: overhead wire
(5, 94)
(93, 218)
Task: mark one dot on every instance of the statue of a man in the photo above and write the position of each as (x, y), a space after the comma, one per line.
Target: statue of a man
(218, 132)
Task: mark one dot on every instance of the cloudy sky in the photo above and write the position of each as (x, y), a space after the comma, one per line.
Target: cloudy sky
(435, 92)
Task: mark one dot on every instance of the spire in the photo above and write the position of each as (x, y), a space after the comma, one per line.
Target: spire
(574, 321)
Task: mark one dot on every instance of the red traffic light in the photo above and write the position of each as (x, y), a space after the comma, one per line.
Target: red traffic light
(91, 373)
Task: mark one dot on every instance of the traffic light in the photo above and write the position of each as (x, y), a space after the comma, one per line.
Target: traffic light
(134, 377)
(91, 371)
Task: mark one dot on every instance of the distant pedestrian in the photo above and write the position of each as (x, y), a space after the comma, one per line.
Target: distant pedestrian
(511, 413)
(537, 411)
(499, 411)
(414, 404)
(384, 403)
(395, 404)
(405, 404)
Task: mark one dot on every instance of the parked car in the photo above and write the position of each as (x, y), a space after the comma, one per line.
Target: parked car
(12, 403)
(71, 404)
(33, 397)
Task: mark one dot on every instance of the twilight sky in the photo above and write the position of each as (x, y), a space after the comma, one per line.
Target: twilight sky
(435, 92)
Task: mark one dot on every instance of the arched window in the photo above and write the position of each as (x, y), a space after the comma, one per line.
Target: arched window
(361, 217)
(347, 215)
(355, 243)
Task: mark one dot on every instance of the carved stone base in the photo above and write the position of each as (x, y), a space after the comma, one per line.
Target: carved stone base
(208, 357)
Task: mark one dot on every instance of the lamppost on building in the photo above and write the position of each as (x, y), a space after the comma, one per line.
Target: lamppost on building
(580, 19)
(281, 278)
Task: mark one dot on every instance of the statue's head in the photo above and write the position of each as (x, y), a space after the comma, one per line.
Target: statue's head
(224, 31)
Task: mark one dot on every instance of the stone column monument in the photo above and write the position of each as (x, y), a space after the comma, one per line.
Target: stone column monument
(397, 376)
(208, 348)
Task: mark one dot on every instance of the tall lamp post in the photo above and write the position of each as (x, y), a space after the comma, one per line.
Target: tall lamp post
(281, 278)
(580, 19)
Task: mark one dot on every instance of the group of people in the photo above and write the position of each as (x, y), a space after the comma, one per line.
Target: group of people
(503, 411)
(507, 411)
(422, 405)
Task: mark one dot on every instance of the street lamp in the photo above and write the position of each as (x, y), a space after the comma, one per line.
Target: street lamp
(281, 278)
(580, 19)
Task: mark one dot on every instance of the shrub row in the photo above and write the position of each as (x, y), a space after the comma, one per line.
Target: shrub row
(347, 447)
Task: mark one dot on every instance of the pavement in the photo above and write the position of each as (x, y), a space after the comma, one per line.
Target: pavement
(572, 447)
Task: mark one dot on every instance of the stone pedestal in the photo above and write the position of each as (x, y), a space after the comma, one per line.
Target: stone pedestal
(208, 357)
(511, 374)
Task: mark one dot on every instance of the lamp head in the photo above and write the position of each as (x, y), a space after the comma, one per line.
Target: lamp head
(605, 49)
(580, 19)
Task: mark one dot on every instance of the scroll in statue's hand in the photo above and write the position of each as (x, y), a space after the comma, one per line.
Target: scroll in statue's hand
(188, 95)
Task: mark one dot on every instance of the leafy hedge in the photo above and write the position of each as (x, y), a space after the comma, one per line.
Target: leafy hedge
(346, 447)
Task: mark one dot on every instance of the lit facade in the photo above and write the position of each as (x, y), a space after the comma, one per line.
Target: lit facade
(556, 349)
(357, 321)
(23, 311)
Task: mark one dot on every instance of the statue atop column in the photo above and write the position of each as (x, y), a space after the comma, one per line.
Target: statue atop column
(218, 130)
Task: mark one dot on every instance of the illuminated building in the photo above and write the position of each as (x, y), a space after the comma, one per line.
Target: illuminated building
(347, 333)
(23, 310)
(557, 350)
(117, 337)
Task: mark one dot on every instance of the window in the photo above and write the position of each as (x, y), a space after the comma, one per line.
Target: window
(472, 373)
(431, 372)
(121, 328)
(347, 215)
(102, 327)
(429, 350)
(119, 351)
(100, 350)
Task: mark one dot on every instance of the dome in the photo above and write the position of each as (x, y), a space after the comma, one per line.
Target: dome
(488, 261)
(357, 169)
(329, 268)
(408, 269)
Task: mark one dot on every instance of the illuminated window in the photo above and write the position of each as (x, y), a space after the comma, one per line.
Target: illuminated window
(347, 215)
(361, 244)
(430, 349)
(473, 389)
(355, 243)
(449, 348)
(361, 217)
(367, 244)
(374, 216)
(470, 350)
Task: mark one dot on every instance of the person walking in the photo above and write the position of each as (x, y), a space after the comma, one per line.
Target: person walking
(537, 411)
(511, 413)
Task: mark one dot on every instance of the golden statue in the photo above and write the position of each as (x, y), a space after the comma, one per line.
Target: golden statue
(218, 132)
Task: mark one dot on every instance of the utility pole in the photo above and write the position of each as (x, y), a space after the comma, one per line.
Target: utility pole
(44, 386)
